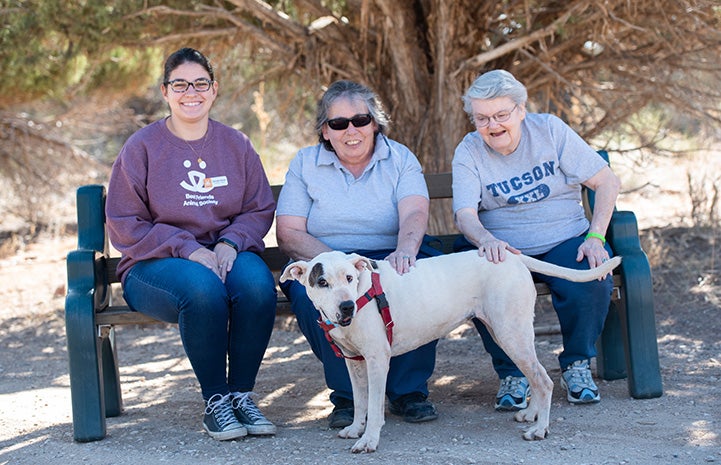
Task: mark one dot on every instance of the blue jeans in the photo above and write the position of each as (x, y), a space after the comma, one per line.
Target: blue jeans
(408, 373)
(581, 309)
(225, 327)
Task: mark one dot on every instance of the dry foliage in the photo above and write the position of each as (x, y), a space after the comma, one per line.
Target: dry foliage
(593, 62)
(38, 168)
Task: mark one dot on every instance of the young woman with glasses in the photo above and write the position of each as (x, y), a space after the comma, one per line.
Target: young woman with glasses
(188, 206)
(517, 187)
(356, 191)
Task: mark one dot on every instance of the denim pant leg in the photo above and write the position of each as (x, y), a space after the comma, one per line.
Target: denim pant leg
(581, 307)
(502, 363)
(181, 291)
(334, 368)
(251, 289)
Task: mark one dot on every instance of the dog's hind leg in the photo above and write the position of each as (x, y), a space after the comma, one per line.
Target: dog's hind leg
(514, 333)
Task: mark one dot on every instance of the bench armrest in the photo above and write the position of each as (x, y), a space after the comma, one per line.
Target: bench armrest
(91, 218)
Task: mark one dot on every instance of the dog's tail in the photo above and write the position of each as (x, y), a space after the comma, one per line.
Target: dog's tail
(568, 273)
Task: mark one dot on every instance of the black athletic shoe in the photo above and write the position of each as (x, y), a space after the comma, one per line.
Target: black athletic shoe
(342, 414)
(219, 420)
(414, 408)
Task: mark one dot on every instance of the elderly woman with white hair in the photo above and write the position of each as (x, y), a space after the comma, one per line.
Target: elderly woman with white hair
(517, 183)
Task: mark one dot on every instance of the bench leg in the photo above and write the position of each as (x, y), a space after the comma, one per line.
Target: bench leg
(611, 359)
(111, 375)
(86, 389)
(636, 313)
(639, 325)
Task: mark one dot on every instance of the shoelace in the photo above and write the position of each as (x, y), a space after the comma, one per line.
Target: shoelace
(221, 409)
(580, 377)
(513, 386)
(245, 402)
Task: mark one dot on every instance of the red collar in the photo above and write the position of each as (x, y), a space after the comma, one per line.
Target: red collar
(375, 292)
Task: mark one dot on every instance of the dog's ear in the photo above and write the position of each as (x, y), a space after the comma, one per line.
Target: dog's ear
(360, 262)
(296, 270)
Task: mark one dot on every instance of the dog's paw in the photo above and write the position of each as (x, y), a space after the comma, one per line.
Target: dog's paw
(535, 433)
(352, 431)
(365, 444)
(527, 415)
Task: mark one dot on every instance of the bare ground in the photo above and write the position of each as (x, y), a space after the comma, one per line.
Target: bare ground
(161, 422)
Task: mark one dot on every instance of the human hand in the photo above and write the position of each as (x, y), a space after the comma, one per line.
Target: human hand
(495, 250)
(402, 260)
(226, 257)
(208, 259)
(592, 248)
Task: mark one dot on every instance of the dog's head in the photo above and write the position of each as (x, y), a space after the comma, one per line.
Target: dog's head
(333, 282)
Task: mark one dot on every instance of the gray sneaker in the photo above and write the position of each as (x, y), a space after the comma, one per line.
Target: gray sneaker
(219, 420)
(249, 415)
(513, 393)
(576, 379)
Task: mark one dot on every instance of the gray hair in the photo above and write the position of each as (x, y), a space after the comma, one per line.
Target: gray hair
(352, 91)
(495, 84)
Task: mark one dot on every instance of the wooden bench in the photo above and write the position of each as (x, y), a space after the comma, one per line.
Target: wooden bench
(627, 347)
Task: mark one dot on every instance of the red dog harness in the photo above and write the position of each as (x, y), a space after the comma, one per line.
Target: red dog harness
(375, 292)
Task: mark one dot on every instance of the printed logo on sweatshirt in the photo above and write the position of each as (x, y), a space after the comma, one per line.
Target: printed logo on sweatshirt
(198, 181)
(521, 183)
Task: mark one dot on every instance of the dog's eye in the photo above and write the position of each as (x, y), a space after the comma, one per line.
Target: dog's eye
(349, 277)
(322, 283)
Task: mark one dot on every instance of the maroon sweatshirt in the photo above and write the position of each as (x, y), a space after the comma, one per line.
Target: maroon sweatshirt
(168, 197)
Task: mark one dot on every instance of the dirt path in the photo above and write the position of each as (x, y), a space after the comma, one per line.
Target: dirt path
(162, 418)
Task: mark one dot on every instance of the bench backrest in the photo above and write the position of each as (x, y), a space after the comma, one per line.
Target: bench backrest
(92, 234)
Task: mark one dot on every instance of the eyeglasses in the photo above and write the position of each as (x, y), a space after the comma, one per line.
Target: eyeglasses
(358, 121)
(181, 85)
(500, 117)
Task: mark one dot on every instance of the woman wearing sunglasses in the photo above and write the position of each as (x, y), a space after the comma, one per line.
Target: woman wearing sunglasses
(188, 206)
(517, 187)
(356, 191)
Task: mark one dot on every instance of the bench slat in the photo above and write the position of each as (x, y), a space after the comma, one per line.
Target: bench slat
(122, 315)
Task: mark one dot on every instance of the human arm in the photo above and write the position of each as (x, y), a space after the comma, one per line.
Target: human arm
(606, 186)
(294, 239)
(413, 222)
(488, 245)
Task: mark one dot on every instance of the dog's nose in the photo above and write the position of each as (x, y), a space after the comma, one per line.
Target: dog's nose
(346, 312)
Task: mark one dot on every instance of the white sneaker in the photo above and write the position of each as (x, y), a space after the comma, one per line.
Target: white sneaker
(513, 393)
(579, 385)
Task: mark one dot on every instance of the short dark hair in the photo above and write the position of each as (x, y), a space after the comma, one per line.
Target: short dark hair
(353, 91)
(186, 55)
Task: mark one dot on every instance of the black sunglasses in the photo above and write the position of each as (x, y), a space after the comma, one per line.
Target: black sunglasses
(358, 121)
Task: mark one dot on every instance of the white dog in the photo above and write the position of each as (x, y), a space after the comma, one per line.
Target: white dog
(433, 298)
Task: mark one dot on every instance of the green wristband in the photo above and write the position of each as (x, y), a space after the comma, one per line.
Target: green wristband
(597, 236)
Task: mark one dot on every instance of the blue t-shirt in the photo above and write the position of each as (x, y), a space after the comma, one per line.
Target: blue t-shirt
(532, 197)
(348, 213)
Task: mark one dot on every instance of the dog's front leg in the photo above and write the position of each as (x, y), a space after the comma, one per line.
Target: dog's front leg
(359, 382)
(377, 373)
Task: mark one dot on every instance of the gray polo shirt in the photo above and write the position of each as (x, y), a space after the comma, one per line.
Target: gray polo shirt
(532, 197)
(346, 213)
